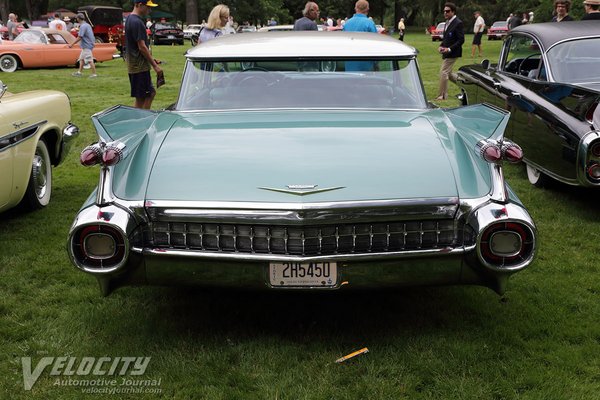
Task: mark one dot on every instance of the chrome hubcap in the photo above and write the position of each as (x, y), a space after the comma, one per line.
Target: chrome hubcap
(39, 170)
(7, 63)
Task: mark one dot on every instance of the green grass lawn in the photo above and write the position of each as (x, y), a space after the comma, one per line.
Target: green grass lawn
(540, 341)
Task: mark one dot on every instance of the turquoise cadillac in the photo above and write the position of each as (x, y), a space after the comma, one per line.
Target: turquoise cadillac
(298, 160)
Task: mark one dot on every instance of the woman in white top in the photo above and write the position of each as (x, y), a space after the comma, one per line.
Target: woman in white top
(217, 19)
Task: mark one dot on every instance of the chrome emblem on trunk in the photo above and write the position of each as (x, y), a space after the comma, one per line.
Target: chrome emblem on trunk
(301, 190)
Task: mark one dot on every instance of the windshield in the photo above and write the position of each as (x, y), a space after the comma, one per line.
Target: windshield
(576, 61)
(31, 37)
(499, 24)
(322, 83)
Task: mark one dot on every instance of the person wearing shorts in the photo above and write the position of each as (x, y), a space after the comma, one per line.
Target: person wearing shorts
(478, 29)
(138, 57)
(86, 37)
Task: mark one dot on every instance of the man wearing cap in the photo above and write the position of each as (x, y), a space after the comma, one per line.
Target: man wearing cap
(138, 56)
(68, 23)
(592, 10)
(86, 37)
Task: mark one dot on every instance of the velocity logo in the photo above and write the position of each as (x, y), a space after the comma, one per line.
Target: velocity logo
(84, 366)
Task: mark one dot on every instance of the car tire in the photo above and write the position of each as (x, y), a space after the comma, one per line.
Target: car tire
(536, 177)
(9, 63)
(39, 187)
(98, 39)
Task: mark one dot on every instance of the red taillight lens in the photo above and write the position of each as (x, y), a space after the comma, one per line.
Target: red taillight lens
(512, 152)
(91, 155)
(506, 244)
(589, 115)
(490, 151)
(113, 153)
(594, 171)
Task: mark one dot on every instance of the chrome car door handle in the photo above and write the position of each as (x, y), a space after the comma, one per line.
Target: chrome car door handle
(515, 94)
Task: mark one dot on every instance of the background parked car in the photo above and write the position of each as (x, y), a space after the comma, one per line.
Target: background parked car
(166, 33)
(549, 79)
(246, 29)
(35, 134)
(438, 32)
(498, 30)
(191, 30)
(106, 22)
(44, 47)
(276, 28)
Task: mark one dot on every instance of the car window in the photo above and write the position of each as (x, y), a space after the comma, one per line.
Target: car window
(250, 84)
(31, 37)
(523, 56)
(575, 61)
(55, 38)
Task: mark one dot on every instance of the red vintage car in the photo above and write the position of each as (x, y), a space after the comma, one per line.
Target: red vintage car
(438, 32)
(498, 30)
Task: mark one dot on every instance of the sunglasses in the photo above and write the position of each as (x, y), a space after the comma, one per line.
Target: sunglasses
(447, 11)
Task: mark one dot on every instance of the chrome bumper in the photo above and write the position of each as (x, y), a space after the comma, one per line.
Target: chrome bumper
(69, 133)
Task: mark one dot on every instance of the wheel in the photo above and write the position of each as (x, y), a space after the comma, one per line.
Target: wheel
(98, 39)
(8, 63)
(536, 177)
(39, 187)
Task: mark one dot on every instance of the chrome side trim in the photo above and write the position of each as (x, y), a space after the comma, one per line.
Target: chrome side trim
(15, 138)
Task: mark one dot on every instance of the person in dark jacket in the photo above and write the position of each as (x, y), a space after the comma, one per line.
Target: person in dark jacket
(592, 10)
(450, 49)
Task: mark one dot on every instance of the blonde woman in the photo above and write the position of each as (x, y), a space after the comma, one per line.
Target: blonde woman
(217, 19)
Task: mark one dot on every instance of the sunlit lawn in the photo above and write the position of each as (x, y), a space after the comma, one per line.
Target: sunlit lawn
(541, 341)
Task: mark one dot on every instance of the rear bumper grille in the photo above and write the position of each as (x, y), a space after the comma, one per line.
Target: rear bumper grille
(338, 239)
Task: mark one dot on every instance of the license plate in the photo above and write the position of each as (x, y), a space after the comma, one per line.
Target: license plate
(292, 274)
(170, 37)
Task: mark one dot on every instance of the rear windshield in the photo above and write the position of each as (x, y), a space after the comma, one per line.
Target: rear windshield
(253, 84)
(577, 61)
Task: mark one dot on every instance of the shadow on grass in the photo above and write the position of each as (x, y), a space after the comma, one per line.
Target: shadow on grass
(324, 318)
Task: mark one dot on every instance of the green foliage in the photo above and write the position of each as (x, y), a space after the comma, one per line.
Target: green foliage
(541, 341)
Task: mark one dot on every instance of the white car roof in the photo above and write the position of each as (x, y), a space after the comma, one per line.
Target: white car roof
(301, 44)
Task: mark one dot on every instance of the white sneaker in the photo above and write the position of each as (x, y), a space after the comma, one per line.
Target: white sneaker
(76, 74)
(93, 75)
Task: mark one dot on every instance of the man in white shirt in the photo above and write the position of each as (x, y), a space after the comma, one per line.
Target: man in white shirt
(478, 29)
(57, 23)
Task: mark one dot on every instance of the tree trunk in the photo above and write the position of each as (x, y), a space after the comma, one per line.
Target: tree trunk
(191, 11)
(4, 11)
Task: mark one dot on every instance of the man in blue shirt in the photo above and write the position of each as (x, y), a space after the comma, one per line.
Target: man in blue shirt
(360, 22)
(86, 36)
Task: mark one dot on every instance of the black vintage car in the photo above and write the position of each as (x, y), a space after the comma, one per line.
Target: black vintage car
(548, 76)
(166, 33)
